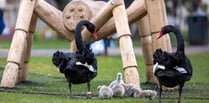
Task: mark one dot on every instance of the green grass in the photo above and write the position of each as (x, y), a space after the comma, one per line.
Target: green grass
(200, 67)
(46, 85)
(41, 44)
(29, 98)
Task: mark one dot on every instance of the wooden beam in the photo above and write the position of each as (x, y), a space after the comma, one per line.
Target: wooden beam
(23, 68)
(146, 43)
(136, 11)
(157, 18)
(16, 52)
(53, 18)
(126, 46)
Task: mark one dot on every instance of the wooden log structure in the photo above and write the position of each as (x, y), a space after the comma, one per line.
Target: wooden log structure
(156, 18)
(23, 69)
(146, 44)
(53, 18)
(165, 21)
(78, 10)
(19, 42)
(110, 18)
(156, 14)
(126, 46)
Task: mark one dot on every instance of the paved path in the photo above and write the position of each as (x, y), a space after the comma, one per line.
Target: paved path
(111, 51)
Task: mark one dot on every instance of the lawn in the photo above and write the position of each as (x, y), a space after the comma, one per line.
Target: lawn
(46, 85)
(41, 44)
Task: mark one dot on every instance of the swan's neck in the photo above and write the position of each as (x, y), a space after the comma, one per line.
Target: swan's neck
(180, 41)
(78, 37)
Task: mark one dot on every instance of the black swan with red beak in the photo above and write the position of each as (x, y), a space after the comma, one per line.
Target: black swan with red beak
(172, 69)
(79, 67)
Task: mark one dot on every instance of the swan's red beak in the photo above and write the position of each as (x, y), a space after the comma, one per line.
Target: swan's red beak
(95, 34)
(160, 34)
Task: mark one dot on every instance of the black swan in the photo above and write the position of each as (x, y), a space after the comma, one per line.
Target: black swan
(79, 67)
(172, 69)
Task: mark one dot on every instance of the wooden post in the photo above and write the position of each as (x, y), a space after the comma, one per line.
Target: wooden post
(23, 70)
(157, 19)
(126, 47)
(165, 21)
(156, 13)
(19, 40)
(146, 41)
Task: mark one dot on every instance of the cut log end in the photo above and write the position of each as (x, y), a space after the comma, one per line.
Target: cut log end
(10, 75)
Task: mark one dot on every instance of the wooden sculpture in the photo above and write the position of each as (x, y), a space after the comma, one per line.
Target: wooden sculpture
(112, 17)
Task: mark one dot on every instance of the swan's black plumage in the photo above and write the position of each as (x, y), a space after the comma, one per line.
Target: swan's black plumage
(177, 67)
(75, 65)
